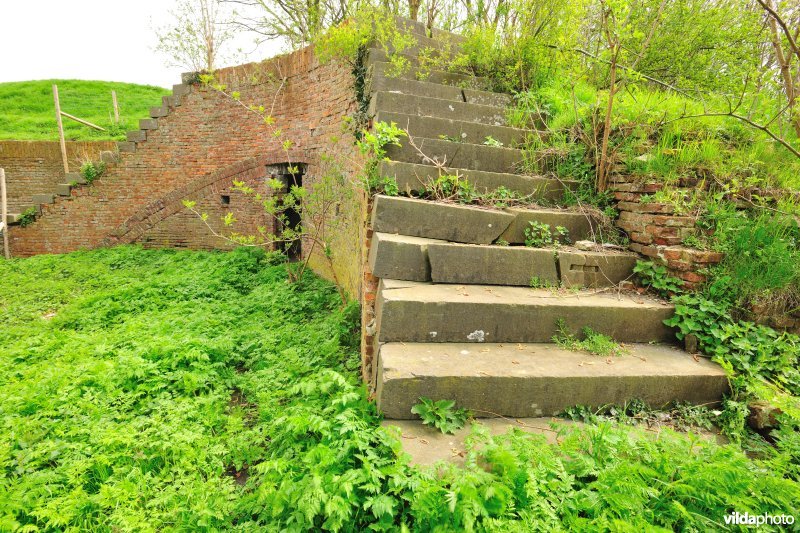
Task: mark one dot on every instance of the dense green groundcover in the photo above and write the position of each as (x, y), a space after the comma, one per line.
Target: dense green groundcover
(27, 110)
(175, 390)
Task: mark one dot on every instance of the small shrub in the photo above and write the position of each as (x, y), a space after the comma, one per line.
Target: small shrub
(91, 171)
(27, 217)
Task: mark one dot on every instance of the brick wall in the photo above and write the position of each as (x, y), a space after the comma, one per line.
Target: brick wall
(657, 231)
(35, 167)
(200, 148)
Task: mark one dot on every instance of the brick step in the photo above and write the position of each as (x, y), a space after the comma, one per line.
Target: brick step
(436, 107)
(469, 224)
(538, 379)
(457, 154)
(378, 62)
(382, 82)
(408, 311)
(463, 131)
(411, 177)
(416, 259)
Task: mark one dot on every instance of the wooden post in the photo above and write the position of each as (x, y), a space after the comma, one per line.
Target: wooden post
(60, 130)
(4, 213)
(116, 107)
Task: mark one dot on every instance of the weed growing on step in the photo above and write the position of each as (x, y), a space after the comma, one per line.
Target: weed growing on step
(680, 416)
(538, 283)
(441, 414)
(27, 217)
(92, 171)
(491, 141)
(593, 342)
(539, 235)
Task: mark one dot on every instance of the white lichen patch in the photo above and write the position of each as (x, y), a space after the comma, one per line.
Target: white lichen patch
(478, 336)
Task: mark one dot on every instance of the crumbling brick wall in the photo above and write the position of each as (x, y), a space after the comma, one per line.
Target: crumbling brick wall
(657, 231)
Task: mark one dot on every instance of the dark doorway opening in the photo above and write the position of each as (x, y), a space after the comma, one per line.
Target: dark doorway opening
(290, 213)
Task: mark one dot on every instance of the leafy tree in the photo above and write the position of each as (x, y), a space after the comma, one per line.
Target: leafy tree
(198, 37)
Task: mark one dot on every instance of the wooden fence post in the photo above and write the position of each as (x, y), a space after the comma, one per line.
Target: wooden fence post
(116, 107)
(60, 130)
(4, 213)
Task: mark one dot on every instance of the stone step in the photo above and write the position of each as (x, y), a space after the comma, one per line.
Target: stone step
(377, 66)
(416, 259)
(436, 107)
(158, 112)
(378, 82)
(108, 156)
(148, 124)
(469, 224)
(75, 177)
(136, 136)
(126, 146)
(40, 199)
(171, 101)
(412, 177)
(420, 29)
(409, 311)
(457, 154)
(64, 189)
(462, 131)
(528, 380)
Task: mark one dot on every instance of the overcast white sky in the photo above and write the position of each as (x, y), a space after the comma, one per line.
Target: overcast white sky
(110, 40)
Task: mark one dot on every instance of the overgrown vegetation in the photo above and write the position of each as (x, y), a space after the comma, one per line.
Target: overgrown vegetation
(200, 391)
(27, 112)
(441, 414)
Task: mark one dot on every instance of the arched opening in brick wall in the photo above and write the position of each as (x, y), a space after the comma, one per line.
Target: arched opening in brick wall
(290, 175)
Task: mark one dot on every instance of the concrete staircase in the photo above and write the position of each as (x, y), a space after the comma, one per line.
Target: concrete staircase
(73, 180)
(460, 316)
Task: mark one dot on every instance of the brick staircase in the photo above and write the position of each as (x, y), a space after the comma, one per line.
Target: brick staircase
(455, 317)
(73, 180)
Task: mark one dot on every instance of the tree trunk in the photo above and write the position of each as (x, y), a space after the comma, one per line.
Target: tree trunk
(789, 85)
(603, 165)
(413, 9)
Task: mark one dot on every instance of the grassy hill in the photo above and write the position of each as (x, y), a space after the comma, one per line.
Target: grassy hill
(27, 110)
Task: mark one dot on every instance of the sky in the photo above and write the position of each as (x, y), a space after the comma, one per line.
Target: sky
(110, 40)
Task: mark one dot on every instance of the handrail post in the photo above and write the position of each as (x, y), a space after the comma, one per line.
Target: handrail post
(60, 130)
(4, 213)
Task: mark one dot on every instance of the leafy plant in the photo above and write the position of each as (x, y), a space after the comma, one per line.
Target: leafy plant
(654, 276)
(539, 235)
(441, 414)
(27, 217)
(593, 342)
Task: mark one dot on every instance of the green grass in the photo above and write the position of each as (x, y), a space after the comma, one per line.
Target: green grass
(27, 110)
(193, 391)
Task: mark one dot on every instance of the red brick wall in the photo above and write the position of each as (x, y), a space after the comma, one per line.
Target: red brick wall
(196, 152)
(35, 167)
(657, 231)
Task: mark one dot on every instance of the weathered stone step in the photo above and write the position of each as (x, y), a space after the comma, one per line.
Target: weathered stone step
(409, 311)
(411, 177)
(457, 154)
(416, 259)
(378, 82)
(469, 224)
(462, 131)
(538, 379)
(436, 107)
(416, 72)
